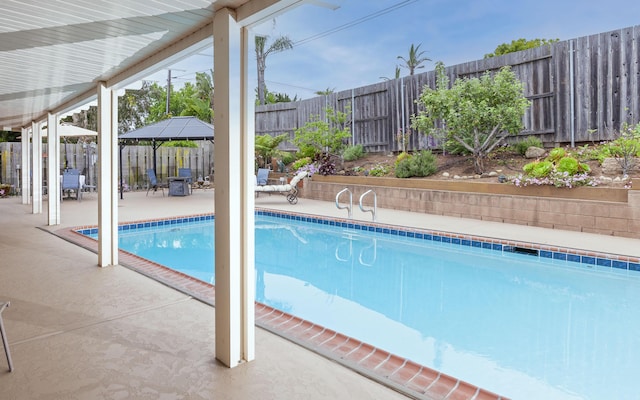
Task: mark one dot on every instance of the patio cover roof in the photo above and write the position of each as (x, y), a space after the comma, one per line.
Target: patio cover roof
(176, 128)
(54, 54)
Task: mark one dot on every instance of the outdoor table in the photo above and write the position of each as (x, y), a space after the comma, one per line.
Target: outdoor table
(178, 186)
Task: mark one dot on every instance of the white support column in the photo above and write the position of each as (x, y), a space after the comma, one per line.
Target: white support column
(25, 167)
(107, 176)
(36, 172)
(234, 195)
(53, 170)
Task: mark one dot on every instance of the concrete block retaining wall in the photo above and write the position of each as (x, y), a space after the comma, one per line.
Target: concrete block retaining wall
(607, 211)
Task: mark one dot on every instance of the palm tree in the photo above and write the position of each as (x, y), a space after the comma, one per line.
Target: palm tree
(415, 59)
(325, 92)
(204, 89)
(280, 44)
(397, 75)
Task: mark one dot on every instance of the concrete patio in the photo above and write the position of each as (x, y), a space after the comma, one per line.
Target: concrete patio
(77, 331)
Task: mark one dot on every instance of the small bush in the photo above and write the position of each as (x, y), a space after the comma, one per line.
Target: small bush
(288, 158)
(530, 141)
(379, 170)
(353, 153)
(402, 156)
(569, 165)
(326, 166)
(418, 165)
(301, 163)
(538, 169)
(556, 154)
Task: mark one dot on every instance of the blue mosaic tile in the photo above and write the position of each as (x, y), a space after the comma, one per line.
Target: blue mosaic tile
(446, 239)
(634, 266)
(436, 238)
(465, 242)
(419, 235)
(402, 233)
(589, 260)
(545, 254)
(619, 264)
(486, 245)
(394, 232)
(428, 237)
(603, 262)
(496, 246)
(559, 256)
(475, 243)
(573, 257)
(455, 240)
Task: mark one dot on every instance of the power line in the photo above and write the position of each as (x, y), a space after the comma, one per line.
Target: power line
(355, 22)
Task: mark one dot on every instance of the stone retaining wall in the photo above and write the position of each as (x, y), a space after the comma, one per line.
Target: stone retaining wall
(607, 211)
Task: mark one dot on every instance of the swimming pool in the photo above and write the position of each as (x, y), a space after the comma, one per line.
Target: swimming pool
(520, 325)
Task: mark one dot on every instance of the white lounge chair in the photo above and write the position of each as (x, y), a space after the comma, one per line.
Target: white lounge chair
(290, 189)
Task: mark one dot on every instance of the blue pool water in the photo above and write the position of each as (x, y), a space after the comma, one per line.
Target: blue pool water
(523, 326)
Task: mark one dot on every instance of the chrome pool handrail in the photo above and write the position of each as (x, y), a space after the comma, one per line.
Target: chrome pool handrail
(349, 206)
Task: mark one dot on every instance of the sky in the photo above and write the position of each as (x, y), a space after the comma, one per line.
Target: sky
(358, 43)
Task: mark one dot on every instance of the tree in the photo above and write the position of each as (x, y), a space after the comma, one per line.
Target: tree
(280, 44)
(266, 147)
(415, 59)
(133, 108)
(275, 97)
(323, 137)
(204, 90)
(518, 45)
(325, 92)
(478, 113)
(397, 75)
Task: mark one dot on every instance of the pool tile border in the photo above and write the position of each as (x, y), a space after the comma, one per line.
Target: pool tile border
(588, 258)
(404, 375)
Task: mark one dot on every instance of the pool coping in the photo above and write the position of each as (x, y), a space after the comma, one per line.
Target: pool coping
(401, 374)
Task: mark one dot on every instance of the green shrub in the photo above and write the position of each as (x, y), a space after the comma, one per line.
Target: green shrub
(379, 170)
(530, 141)
(402, 156)
(288, 157)
(353, 153)
(556, 154)
(538, 169)
(569, 165)
(301, 163)
(422, 164)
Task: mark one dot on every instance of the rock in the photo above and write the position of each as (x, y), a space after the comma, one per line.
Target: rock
(610, 166)
(605, 179)
(477, 176)
(493, 173)
(457, 177)
(445, 174)
(534, 152)
(617, 179)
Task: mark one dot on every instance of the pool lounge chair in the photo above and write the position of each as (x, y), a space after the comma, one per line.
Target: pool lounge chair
(153, 182)
(290, 190)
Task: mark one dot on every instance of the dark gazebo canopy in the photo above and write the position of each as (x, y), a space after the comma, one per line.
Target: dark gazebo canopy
(176, 128)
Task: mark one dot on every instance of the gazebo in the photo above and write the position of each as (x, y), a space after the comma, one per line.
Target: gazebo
(175, 128)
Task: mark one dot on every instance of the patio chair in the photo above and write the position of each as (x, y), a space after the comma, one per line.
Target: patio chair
(71, 183)
(153, 182)
(186, 173)
(5, 341)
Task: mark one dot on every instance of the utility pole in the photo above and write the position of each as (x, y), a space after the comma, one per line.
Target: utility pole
(168, 91)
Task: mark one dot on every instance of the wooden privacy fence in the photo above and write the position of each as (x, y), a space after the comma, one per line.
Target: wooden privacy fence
(135, 162)
(581, 90)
